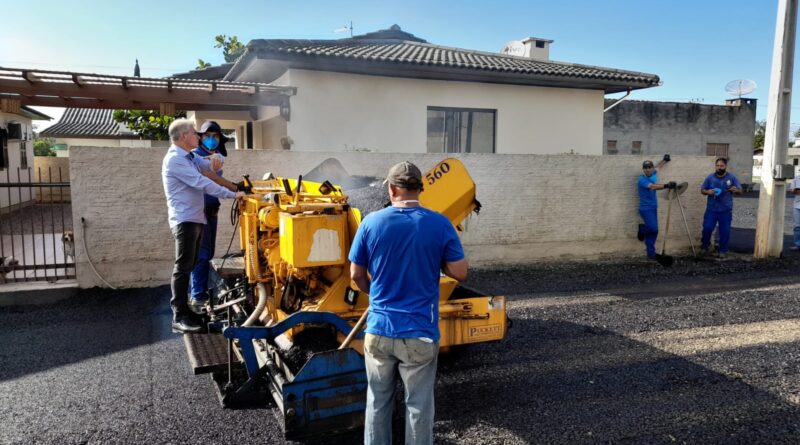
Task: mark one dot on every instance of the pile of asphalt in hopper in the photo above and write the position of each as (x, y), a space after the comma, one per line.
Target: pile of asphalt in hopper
(305, 344)
(366, 193)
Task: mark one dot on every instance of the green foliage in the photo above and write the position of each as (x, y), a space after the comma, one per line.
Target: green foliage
(43, 147)
(232, 48)
(147, 123)
(202, 64)
(758, 138)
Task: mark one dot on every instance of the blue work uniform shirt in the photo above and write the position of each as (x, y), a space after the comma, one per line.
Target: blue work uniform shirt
(723, 202)
(184, 186)
(647, 197)
(202, 153)
(403, 249)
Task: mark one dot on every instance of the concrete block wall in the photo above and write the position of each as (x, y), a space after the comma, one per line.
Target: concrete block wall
(535, 207)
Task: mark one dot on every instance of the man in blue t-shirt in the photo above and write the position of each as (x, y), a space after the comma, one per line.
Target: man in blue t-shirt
(720, 187)
(648, 204)
(397, 256)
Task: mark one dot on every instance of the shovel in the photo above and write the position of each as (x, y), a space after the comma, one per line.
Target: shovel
(685, 224)
(664, 259)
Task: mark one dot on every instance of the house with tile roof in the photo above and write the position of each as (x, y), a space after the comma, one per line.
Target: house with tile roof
(93, 128)
(16, 151)
(391, 91)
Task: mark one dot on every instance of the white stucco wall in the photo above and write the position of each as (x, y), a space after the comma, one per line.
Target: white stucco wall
(348, 112)
(535, 207)
(97, 142)
(14, 196)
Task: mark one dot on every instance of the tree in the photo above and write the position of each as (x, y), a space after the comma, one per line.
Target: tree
(758, 138)
(152, 124)
(232, 48)
(147, 123)
(43, 147)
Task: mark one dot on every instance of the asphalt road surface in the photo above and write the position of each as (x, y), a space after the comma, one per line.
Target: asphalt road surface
(622, 352)
(618, 352)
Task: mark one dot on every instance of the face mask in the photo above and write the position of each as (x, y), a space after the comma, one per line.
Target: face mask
(210, 142)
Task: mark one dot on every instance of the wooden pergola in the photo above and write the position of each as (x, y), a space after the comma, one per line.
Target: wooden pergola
(19, 87)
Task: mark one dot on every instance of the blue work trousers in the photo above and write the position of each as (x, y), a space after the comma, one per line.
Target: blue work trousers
(199, 288)
(650, 229)
(710, 220)
(415, 359)
(796, 226)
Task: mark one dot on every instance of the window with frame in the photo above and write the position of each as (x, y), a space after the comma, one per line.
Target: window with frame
(23, 155)
(611, 147)
(717, 149)
(461, 130)
(636, 147)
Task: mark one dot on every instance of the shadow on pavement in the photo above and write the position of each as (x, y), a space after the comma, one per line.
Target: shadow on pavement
(94, 323)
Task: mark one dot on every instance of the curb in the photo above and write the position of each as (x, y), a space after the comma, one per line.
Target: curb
(37, 292)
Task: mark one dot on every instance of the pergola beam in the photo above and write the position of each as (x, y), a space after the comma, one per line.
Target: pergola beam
(141, 94)
(82, 102)
(80, 90)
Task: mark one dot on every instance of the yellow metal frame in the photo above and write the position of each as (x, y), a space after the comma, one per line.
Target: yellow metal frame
(282, 226)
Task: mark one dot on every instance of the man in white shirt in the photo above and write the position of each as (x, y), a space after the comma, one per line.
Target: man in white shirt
(184, 186)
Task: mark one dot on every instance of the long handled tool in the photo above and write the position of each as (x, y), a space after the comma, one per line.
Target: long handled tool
(359, 324)
(664, 259)
(685, 224)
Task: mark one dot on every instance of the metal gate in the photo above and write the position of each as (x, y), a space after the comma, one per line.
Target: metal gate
(37, 239)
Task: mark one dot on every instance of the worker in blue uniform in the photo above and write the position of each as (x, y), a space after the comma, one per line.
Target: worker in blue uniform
(720, 187)
(648, 204)
(212, 147)
(397, 256)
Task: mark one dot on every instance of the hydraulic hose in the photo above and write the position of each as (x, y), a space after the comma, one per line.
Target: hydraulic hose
(261, 293)
(85, 249)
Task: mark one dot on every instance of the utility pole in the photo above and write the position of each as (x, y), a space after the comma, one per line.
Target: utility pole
(772, 198)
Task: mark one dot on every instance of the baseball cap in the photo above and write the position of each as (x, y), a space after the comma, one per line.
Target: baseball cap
(405, 175)
(213, 126)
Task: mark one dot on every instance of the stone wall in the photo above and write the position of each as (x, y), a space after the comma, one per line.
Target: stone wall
(535, 207)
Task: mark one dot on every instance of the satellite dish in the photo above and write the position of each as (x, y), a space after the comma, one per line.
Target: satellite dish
(514, 48)
(740, 87)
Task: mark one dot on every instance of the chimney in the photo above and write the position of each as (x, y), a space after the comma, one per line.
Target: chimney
(136, 71)
(536, 48)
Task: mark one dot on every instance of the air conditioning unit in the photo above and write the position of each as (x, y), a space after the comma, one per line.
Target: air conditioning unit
(14, 131)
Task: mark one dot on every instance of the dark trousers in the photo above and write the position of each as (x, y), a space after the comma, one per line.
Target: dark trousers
(187, 244)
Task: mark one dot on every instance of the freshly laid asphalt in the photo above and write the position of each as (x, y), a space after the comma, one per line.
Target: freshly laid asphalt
(618, 351)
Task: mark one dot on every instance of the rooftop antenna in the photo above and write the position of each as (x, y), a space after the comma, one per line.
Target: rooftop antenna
(346, 28)
(740, 87)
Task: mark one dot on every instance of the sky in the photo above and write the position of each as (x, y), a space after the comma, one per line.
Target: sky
(695, 47)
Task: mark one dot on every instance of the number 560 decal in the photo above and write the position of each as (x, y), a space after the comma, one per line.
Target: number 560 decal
(437, 173)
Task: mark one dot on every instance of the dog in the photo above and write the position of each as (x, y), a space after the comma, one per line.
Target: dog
(68, 238)
(7, 264)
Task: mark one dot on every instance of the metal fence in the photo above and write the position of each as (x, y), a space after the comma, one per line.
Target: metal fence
(37, 238)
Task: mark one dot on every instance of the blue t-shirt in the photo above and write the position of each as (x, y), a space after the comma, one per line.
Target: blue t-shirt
(403, 249)
(647, 197)
(723, 202)
(208, 200)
